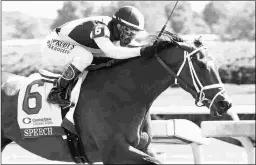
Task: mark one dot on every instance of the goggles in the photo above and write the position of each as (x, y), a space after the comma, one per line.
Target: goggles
(128, 32)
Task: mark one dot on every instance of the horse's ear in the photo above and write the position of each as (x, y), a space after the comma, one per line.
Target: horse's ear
(198, 42)
(200, 38)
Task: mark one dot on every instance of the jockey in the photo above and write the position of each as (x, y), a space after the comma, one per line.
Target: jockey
(80, 40)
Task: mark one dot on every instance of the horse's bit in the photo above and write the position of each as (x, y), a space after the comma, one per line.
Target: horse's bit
(199, 93)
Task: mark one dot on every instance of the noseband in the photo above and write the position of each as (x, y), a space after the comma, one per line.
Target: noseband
(198, 89)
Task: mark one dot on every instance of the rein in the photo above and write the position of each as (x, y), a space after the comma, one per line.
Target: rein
(199, 90)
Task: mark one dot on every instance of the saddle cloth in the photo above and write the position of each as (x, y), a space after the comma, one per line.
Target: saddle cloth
(36, 117)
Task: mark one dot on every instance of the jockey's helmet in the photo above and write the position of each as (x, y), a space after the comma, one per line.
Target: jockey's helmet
(129, 22)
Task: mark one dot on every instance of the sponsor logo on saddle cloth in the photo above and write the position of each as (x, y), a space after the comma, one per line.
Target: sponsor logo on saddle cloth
(36, 117)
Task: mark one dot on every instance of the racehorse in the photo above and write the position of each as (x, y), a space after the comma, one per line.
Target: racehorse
(112, 114)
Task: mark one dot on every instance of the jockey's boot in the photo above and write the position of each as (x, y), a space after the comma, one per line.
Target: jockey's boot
(57, 93)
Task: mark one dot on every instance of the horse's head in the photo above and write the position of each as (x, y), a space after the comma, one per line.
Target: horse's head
(195, 71)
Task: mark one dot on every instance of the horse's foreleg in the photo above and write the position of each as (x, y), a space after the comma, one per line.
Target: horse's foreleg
(4, 141)
(118, 151)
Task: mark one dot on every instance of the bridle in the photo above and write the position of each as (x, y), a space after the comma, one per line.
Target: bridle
(198, 90)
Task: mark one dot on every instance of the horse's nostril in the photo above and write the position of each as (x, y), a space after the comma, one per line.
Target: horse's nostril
(221, 104)
(224, 105)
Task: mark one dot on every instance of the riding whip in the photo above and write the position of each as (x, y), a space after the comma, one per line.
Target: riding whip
(166, 22)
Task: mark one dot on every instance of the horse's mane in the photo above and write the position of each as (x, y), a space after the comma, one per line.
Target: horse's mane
(167, 39)
(170, 37)
(166, 36)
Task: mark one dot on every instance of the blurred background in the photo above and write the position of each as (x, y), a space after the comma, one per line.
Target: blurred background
(227, 29)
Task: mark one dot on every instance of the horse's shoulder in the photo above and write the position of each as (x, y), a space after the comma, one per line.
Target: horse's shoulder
(11, 83)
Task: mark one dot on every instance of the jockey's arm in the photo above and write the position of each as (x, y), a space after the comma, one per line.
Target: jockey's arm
(116, 52)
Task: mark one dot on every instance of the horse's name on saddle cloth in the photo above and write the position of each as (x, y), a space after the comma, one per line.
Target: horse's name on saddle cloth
(34, 132)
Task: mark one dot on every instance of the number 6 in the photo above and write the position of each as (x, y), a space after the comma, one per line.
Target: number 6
(97, 30)
(36, 95)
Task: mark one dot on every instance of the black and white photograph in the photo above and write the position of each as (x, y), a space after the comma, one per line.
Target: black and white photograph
(128, 82)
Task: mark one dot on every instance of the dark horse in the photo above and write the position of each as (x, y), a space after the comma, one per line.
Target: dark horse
(112, 114)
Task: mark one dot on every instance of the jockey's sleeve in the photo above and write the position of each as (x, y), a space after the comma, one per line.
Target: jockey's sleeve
(100, 34)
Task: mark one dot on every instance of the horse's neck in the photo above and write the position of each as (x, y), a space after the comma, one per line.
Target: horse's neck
(151, 79)
(138, 81)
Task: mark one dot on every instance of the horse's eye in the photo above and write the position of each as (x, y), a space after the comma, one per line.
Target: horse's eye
(200, 56)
